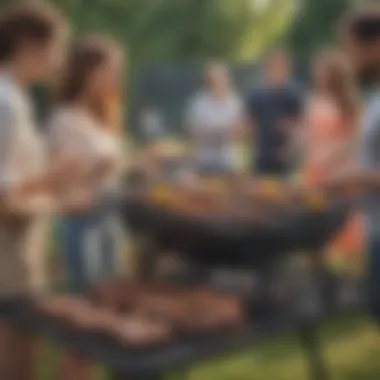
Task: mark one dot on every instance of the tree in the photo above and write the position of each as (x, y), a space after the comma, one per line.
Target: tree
(314, 26)
(157, 30)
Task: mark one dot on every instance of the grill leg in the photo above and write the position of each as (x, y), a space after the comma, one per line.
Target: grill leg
(309, 340)
(266, 301)
(324, 280)
(307, 333)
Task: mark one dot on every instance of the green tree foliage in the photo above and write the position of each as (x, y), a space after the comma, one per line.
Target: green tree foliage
(315, 23)
(158, 30)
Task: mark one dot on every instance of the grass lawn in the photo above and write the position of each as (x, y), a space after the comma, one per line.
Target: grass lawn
(352, 350)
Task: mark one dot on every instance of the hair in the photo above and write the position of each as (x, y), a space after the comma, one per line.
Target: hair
(361, 25)
(359, 34)
(86, 56)
(340, 83)
(28, 23)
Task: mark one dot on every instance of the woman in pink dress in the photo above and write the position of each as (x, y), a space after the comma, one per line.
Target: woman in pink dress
(332, 115)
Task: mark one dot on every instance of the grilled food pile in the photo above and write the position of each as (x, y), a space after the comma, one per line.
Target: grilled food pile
(142, 315)
(239, 197)
(285, 194)
(191, 200)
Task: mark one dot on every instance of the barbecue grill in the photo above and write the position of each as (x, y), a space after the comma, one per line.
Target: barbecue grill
(222, 241)
(211, 242)
(216, 240)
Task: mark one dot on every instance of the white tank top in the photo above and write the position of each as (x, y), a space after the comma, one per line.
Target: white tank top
(72, 130)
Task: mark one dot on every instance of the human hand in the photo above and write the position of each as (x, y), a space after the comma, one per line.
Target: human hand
(23, 208)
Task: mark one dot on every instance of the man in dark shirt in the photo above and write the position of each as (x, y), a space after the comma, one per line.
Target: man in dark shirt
(274, 108)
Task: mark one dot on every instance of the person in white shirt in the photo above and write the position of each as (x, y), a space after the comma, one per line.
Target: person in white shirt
(32, 38)
(86, 121)
(214, 117)
(83, 122)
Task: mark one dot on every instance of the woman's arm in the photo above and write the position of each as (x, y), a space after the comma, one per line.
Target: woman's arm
(354, 177)
(59, 171)
(17, 190)
(74, 202)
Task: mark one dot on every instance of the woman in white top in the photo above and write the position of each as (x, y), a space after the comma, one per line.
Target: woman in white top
(86, 121)
(214, 117)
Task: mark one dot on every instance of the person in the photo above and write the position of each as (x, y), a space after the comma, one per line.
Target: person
(274, 107)
(214, 117)
(359, 34)
(32, 40)
(332, 114)
(86, 121)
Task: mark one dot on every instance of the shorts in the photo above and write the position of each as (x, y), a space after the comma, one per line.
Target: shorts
(89, 245)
